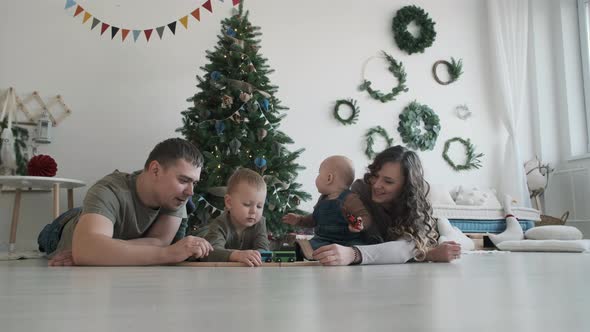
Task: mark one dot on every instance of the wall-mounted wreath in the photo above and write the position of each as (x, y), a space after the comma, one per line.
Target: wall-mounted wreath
(404, 39)
(409, 126)
(397, 69)
(377, 130)
(455, 69)
(472, 159)
(354, 109)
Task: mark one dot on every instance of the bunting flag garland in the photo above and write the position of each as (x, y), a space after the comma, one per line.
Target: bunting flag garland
(196, 14)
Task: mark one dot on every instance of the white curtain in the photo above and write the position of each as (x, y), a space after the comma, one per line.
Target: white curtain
(508, 25)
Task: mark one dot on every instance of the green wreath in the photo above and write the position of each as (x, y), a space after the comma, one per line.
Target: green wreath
(472, 160)
(397, 69)
(378, 130)
(409, 122)
(353, 107)
(455, 69)
(404, 39)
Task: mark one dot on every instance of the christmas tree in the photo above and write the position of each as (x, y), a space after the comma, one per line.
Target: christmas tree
(234, 120)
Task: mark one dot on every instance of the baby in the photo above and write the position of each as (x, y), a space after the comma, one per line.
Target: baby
(240, 231)
(339, 215)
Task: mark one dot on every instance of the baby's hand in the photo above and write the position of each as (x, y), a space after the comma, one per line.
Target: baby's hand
(248, 257)
(355, 224)
(291, 219)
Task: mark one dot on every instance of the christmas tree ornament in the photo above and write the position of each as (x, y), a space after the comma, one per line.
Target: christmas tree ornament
(261, 133)
(271, 206)
(253, 107)
(42, 165)
(234, 146)
(265, 104)
(219, 127)
(260, 162)
(251, 68)
(227, 101)
(230, 32)
(204, 114)
(245, 97)
(216, 76)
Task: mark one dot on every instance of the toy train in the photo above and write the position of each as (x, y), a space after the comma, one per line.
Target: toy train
(279, 256)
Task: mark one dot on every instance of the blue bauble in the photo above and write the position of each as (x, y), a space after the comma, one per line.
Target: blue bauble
(230, 32)
(260, 162)
(219, 127)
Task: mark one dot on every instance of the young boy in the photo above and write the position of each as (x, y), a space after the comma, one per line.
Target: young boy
(339, 215)
(240, 231)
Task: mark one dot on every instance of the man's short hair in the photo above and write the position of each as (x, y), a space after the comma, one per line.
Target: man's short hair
(169, 151)
(245, 175)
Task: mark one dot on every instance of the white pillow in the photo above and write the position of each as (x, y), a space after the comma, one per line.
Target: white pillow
(553, 232)
(546, 245)
(474, 196)
(440, 195)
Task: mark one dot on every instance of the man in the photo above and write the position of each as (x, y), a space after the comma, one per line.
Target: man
(131, 219)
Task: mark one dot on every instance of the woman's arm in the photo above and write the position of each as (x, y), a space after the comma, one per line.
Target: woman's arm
(393, 252)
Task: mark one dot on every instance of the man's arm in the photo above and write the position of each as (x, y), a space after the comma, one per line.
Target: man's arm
(93, 244)
(161, 232)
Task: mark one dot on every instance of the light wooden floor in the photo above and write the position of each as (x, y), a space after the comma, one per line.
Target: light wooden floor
(497, 292)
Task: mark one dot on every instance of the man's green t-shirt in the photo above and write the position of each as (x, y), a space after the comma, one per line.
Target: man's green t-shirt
(115, 197)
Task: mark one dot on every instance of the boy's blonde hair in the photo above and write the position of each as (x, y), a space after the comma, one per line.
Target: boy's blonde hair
(245, 175)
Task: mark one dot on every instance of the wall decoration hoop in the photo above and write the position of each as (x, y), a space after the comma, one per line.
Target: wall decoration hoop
(351, 103)
(410, 119)
(404, 39)
(455, 69)
(472, 159)
(377, 130)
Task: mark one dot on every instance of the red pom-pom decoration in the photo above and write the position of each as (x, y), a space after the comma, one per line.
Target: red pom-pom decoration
(42, 165)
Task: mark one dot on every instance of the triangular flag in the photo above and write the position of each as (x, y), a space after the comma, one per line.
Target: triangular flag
(160, 31)
(184, 21)
(70, 3)
(95, 22)
(104, 28)
(172, 27)
(236, 2)
(114, 31)
(79, 9)
(148, 34)
(196, 14)
(136, 34)
(124, 33)
(207, 5)
(87, 16)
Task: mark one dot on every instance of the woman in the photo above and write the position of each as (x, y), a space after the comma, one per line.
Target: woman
(394, 190)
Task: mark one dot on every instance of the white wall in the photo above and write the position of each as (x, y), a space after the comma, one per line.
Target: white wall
(128, 96)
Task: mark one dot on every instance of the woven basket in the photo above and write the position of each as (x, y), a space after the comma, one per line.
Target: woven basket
(549, 220)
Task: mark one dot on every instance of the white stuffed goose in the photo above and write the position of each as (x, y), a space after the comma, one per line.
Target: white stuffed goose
(7, 152)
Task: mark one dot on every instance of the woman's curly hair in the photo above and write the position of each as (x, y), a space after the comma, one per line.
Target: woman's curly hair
(410, 215)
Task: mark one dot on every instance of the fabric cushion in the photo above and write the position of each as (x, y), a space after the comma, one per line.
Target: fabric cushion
(546, 245)
(478, 197)
(553, 232)
(440, 195)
